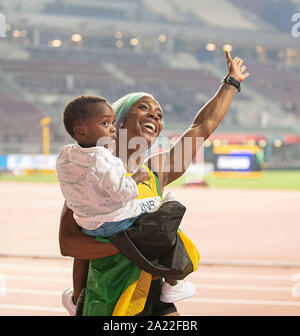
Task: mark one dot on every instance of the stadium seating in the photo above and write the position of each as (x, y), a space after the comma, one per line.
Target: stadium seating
(277, 83)
(57, 74)
(275, 12)
(20, 120)
(165, 10)
(51, 76)
(212, 13)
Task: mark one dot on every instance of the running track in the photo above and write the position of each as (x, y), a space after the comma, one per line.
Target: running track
(226, 225)
(34, 286)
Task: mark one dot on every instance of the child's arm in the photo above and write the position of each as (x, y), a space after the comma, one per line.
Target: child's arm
(76, 244)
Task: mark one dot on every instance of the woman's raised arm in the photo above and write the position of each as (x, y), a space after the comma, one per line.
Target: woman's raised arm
(172, 164)
(75, 243)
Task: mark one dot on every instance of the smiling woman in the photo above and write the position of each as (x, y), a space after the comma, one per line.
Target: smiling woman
(141, 116)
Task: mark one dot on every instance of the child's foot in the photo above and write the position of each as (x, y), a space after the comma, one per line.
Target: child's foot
(182, 290)
(67, 301)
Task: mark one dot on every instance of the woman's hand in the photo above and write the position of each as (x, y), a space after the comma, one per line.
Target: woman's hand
(73, 242)
(235, 67)
(141, 175)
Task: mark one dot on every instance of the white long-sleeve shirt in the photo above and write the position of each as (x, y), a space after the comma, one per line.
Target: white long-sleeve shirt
(94, 184)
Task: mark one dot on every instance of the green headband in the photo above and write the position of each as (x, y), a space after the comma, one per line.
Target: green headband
(123, 105)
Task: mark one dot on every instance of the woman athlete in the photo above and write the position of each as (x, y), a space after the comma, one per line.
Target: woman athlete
(146, 109)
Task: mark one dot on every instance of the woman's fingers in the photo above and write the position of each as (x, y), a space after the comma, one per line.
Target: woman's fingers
(244, 76)
(238, 61)
(243, 68)
(236, 67)
(228, 56)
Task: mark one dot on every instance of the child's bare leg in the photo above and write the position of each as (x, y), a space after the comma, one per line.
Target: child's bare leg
(171, 282)
(80, 272)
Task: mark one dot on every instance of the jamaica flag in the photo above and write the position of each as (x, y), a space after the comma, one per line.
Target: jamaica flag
(117, 287)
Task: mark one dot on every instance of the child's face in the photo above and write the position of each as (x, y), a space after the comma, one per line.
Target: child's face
(101, 124)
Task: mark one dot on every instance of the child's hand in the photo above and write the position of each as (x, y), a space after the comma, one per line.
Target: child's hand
(235, 68)
(141, 175)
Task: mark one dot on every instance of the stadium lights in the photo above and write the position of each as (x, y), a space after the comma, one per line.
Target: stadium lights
(118, 35)
(23, 33)
(162, 38)
(119, 44)
(55, 43)
(210, 47)
(290, 55)
(227, 47)
(16, 33)
(290, 52)
(262, 143)
(277, 143)
(207, 143)
(134, 42)
(259, 49)
(216, 142)
(76, 37)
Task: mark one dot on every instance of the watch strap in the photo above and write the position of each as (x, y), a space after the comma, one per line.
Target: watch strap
(232, 81)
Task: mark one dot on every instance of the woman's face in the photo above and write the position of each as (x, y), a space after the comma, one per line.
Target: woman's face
(144, 119)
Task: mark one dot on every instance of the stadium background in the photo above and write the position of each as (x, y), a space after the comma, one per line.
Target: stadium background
(55, 50)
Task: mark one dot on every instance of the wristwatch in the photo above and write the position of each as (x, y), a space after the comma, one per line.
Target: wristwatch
(232, 81)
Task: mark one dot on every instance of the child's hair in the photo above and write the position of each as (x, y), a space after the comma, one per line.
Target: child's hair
(78, 110)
